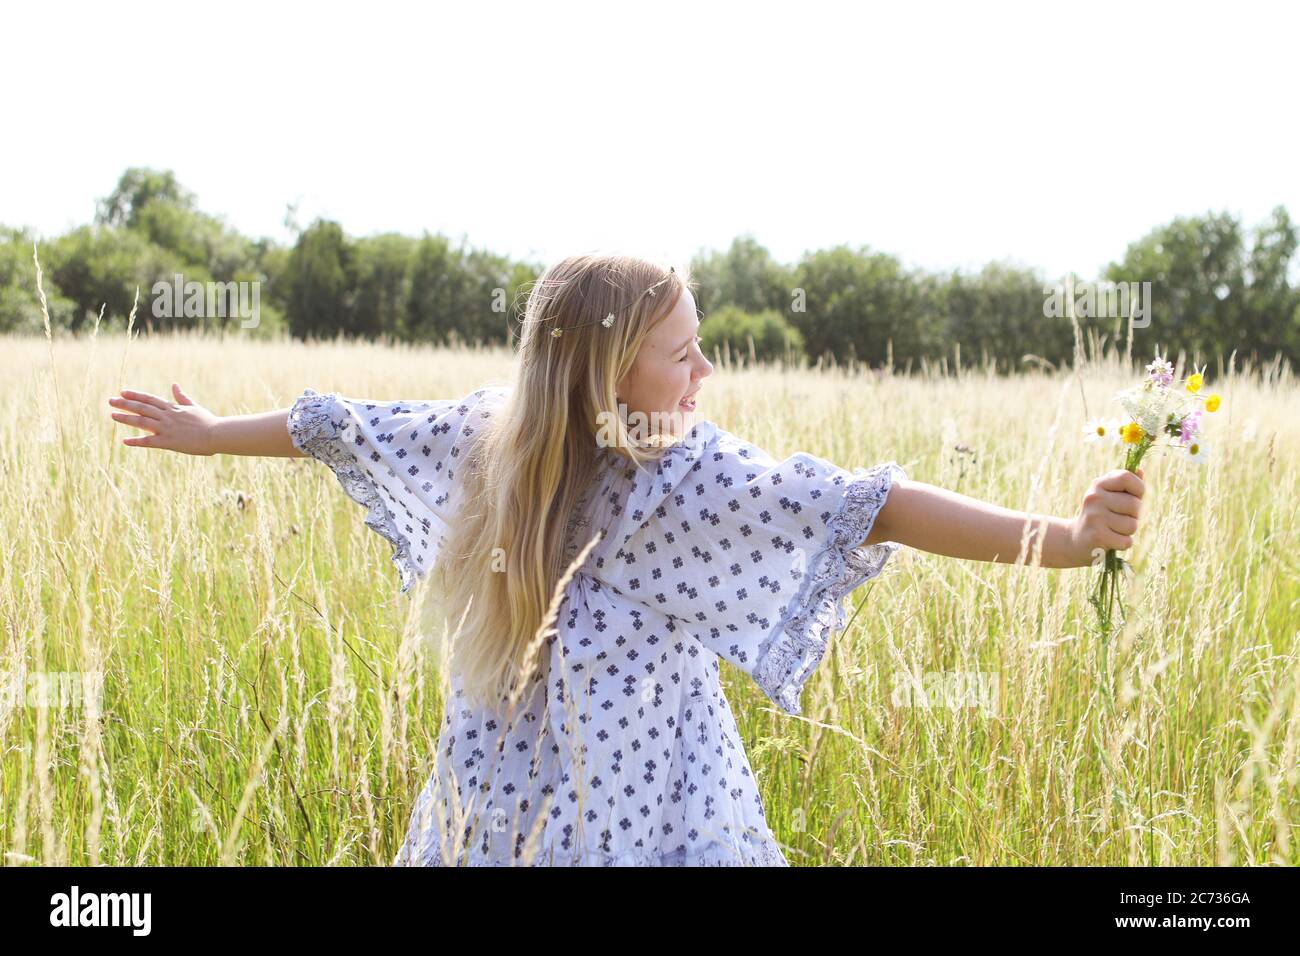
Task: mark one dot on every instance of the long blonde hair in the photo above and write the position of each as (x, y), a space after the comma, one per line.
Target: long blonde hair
(535, 456)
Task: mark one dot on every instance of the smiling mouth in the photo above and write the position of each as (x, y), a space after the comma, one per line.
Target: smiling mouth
(688, 402)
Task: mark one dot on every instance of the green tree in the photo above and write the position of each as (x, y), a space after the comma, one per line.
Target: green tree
(96, 266)
(20, 306)
(998, 314)
(1271, 309)
(860, 304)
(435, 290)
(136, 189)
(380, 284)
(771, 335)
(492, 284)
(320, 282)
(1196, 268)
(745, 276)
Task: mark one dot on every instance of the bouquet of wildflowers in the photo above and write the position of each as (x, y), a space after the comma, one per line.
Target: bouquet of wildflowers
(1157, 407)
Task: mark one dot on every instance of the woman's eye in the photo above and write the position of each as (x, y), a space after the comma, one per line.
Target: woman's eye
(688, 351)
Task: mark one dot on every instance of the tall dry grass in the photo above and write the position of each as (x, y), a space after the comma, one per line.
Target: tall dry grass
(267, 698)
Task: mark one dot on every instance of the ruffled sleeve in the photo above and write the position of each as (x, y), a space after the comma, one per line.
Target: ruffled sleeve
(754, 556)
(399, 460)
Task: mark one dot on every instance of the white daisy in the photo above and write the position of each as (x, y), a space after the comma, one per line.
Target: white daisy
(1101, 431)
(1196, 452)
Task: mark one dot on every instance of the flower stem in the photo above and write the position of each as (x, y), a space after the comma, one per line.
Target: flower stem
(1107, 599)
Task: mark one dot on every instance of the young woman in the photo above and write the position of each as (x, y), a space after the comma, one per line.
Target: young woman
(598, 734)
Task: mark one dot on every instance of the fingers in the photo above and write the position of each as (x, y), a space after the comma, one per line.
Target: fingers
(1112, 541)
(146, 397)
(142, 408)
(181, 397)
(1121, 503)
(143, 441)
(1121, 524)
(1122, 480)
(136, 421)
(1115, 504)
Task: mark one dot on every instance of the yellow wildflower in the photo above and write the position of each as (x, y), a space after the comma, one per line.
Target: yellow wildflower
(1194, 382)
(1131, 433)
(1212, 403)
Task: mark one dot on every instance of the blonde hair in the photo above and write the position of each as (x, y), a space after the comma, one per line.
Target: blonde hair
(536, 455)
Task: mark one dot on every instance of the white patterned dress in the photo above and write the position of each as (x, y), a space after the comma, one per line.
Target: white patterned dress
(624, 750)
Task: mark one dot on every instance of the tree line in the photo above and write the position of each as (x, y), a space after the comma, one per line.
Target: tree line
(1215, 286)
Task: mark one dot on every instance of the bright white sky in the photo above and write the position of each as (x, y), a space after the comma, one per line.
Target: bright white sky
(949, 135)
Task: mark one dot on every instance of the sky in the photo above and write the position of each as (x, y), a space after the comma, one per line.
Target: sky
(949, 135)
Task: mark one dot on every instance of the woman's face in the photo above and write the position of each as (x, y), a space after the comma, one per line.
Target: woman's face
(668, 371)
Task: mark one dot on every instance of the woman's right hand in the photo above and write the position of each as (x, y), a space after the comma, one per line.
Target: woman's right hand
(180, 426)
(1108, 517)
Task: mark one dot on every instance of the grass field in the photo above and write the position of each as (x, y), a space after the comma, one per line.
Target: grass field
(205, 660)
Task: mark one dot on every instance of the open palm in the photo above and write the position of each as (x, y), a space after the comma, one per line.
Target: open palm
(181, 425)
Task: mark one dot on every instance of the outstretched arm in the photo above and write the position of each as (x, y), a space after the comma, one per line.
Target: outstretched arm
(958, 526)
(190, 428)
